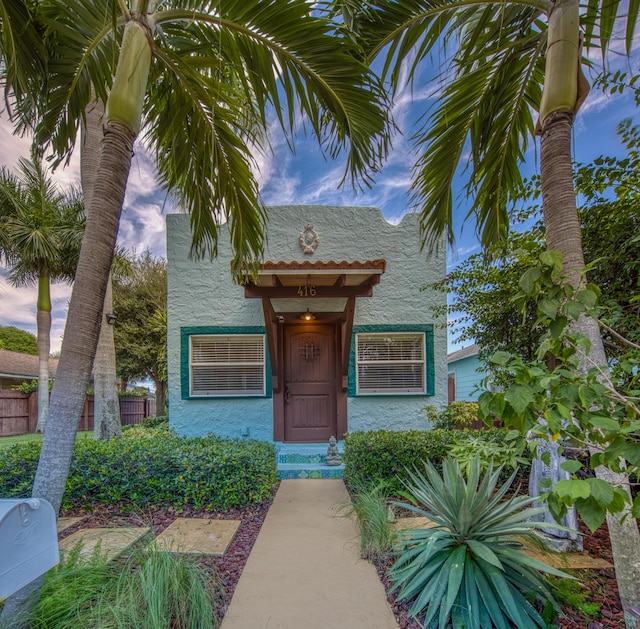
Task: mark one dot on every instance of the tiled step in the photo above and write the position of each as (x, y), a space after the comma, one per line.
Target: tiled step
(309, 470)
(306, 461)
(287, 457)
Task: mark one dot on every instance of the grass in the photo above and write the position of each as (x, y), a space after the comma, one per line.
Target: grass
(369, 506)
(71, 590)
(161, 589)
(150, 589)
(7, 442)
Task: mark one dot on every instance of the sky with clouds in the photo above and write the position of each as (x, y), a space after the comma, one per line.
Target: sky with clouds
(303, 177)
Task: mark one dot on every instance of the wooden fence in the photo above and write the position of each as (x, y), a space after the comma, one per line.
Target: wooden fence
(19, 412)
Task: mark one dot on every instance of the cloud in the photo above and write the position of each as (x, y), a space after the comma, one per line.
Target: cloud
(142, 180)
(12, 147)
(69, 175)
(143, 227)
(460, 253)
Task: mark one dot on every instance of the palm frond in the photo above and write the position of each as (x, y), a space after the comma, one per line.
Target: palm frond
(82, 47)
(219, 70)
(21, 50)
(201, 137)
(483, 121)
(41, 228)
(480, 130)
(287, 55)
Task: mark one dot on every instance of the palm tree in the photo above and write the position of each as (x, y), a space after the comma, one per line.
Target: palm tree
(41, 233)
(507, 61)
(106, 404)
(22, 49)
(201, 78)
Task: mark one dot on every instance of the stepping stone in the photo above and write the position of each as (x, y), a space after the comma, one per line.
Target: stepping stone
(112, 540)
(403, 524)
(64, 523)
(562, 561)
(198, 536)
(570, 561)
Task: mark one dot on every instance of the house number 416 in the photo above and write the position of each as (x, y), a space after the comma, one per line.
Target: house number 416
(307, 291)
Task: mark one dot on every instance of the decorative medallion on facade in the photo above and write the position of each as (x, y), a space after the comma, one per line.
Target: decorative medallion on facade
(309, 240)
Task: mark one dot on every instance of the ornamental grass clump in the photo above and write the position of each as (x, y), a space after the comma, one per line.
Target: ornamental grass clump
(162, 590)
(370, 508)
(149, 589)
(470, 570)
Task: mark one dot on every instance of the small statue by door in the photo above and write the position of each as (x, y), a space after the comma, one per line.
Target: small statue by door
(333, 456)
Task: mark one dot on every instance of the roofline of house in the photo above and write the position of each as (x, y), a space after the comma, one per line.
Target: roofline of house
(465, 352)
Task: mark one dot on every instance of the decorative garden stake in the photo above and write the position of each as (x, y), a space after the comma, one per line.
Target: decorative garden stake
(558, 540)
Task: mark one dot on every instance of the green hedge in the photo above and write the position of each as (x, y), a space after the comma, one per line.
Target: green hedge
(377, 456)
(453, 415)
(150, 467)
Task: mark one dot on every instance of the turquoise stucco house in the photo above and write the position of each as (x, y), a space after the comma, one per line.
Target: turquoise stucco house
(332, 334)
(465, 374)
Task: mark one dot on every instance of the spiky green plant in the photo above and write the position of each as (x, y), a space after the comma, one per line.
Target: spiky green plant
(470, 570)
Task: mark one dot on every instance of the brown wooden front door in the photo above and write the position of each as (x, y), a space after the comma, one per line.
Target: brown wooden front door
(310, 381)
(451, 386)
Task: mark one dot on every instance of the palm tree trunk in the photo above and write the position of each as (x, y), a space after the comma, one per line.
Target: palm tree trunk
(43, 319)
(106, 409)
(161, 395)
(80, 339)
(563, 234)
(87, 298)
(85, 313)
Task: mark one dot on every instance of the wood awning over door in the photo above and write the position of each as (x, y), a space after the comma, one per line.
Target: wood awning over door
(329, 279)
(308, 281)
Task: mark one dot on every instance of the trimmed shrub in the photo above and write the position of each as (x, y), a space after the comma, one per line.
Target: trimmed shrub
(377, 456)
(18, 465)
(155, 421)
(153, 466)
(454, 415)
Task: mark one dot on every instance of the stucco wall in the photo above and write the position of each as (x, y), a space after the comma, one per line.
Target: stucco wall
(202, 293)
(467, 378)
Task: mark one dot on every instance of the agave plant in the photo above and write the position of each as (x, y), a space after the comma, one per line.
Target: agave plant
(469, 570)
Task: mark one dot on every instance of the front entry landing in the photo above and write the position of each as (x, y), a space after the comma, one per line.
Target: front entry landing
(310, 354)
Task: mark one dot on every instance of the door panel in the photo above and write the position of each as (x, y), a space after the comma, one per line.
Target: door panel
(310, 383)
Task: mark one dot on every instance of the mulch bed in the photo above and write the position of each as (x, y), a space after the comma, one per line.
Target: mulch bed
(228, 567)
(600, 584)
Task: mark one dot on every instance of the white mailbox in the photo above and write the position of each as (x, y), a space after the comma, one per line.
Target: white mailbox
(28, 542)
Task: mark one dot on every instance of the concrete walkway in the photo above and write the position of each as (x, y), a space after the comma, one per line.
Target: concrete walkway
(305, 571)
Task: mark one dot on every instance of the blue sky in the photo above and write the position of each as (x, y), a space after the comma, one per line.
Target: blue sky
(300, 178)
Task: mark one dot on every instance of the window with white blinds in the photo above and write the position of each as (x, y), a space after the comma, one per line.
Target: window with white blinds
(390, 362)
(227, 365)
